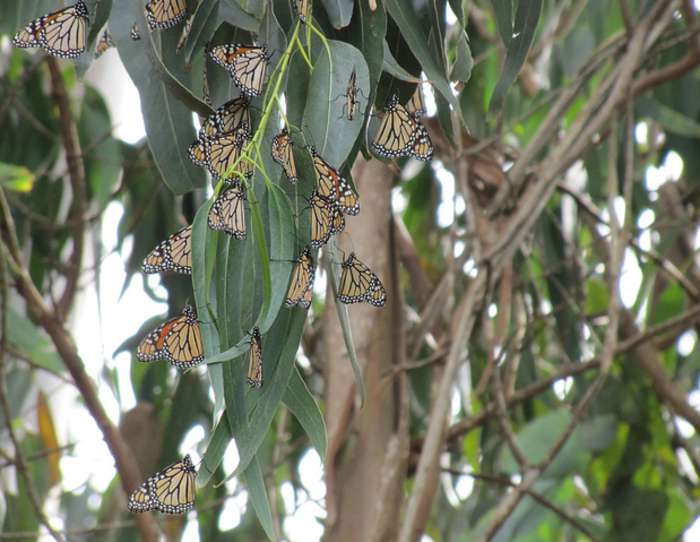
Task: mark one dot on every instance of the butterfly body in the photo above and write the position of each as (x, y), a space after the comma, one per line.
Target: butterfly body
(104, 43)
(170, 490)
(62, 33)
(178, 341)
(255, 360)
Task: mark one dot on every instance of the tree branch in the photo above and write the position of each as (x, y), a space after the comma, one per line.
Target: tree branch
(52, 323)
(76, 173)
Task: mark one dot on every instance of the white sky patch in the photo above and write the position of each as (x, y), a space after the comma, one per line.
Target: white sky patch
(311, 475)
(464, 486)
(630, 279)
(230, 516)
(641, 133)
(303, 525)
(191, 530)
(112, 80)
(446, 209)
(450, 17)
(686, 343)
(562, 387)
(189, 444)
(692, 534)
(398, 201)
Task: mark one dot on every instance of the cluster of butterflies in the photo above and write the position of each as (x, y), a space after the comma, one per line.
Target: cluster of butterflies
(220, 148)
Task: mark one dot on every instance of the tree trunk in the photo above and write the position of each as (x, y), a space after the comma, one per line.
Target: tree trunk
(368, 446)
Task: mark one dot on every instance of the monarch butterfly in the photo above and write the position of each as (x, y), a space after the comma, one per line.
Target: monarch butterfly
(255, 360)
(351, 101)
(332, 186)
(326, 219)
(225, 150)
(104, 43)
(359, 283)
(283, 155)
(246, 64)
(397, 131)
(62, 33)
(164, 14)
(170, 490)
(303, 9)
(135, 33)
(185, 34)
(227, 213)
(177, 340)
(230, 116)
(416, 105)
(423, 146)
(302, 281)
(173, 254)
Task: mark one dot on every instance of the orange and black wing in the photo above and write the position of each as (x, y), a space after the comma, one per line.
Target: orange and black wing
(331, 185)
(283, 155)
(170, 490)
(326, 219)
(302, 280)
(173, 254)
(164, 14)
(62, 33)
(227, 213)
(358, 283)
(397, 131)
(247, 65)
(178, 341)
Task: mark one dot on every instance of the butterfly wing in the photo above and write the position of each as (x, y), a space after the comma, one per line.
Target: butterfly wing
(326, 219)
(151, 346)
(397, 132)
(135, 33)
(416, 105)
(230, 116)
(173, 254)
(140, 499)
(62, 33)
(358, 283)
(182, 344)
(302, 280)
(164, 14)
(225, 151)
(246, 65)
(255, 360)
(331, 185)
(423, 145)
(227, 213)
(303, 9)
(283, 155)
(197, 151)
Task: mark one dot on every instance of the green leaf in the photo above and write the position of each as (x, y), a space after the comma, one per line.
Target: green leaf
(537, 438)
(339, 12)
(326, 128)
(392, 66)
(241, 15)
(102, 153)
(526, 19)
(503, 10)
(672, 120)
(204, 25)
(301, 403)
(406, 19)
(31, 342)
(16, 14)
(462, 67)
(16, 178)
(255, 484)
(168, 121)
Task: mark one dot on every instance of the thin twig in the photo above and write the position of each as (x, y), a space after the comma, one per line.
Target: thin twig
(76, 173)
